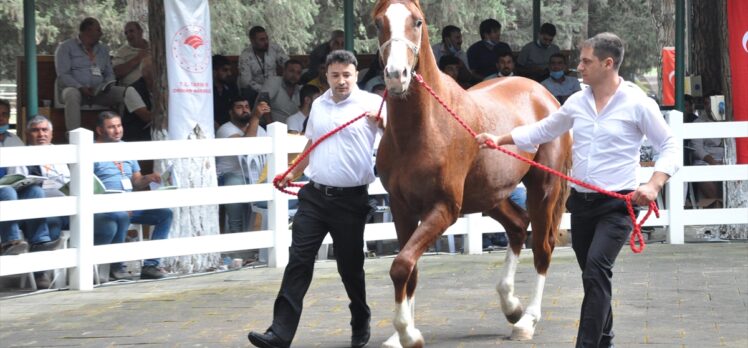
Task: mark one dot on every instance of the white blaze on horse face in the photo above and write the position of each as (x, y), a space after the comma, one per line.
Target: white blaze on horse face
(398, 69)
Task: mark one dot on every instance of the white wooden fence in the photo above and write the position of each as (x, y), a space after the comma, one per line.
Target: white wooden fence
(82, 204)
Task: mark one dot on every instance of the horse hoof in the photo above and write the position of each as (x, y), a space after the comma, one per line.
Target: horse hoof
(392, 342)
(522, 333)
(414, 339)
(515, 316)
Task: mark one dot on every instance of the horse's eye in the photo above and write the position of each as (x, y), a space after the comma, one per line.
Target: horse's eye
(418, 23)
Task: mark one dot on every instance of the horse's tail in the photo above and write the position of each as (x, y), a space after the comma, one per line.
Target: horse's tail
(565, 168)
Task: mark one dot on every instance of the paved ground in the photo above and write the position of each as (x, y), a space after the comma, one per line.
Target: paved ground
(693, 295)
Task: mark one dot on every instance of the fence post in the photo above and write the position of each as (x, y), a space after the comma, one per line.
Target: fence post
(81, 224)
(676, 192)
(278, 207)
(474, 237)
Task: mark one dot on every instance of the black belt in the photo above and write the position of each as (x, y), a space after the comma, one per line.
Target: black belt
(591, 196)
(339, 191)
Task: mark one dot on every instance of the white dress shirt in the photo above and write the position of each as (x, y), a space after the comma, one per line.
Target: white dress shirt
(606, 146)
(344, 159)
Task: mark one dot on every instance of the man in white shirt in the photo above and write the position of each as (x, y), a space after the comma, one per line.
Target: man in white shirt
(258, 62)
(283, 92)
(230, 169)
(609, 121)
(335, 201)
(560, 85)
(297, 122)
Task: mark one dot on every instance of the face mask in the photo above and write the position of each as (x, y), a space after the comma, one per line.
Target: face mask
(4, 129)
(557, 75)
(452, 49)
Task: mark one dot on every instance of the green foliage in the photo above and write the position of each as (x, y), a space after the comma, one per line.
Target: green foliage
(633, 23)
(299, 25)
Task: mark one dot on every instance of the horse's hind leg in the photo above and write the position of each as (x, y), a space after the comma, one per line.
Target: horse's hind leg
(543, 195)
(515, 221)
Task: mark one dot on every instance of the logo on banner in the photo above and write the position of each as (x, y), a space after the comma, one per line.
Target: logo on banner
(190, 50)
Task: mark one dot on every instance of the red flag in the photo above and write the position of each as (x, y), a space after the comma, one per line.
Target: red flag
(668, 76)
(737, 27)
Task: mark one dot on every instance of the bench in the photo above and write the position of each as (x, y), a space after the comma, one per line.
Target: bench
(46, 75)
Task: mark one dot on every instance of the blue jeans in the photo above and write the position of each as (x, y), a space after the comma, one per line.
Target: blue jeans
(236, 212)
(111, 228)
(519, 197)
(34, 230)
(161, 221)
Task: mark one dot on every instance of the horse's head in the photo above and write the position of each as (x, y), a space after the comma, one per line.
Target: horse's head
(400, 24)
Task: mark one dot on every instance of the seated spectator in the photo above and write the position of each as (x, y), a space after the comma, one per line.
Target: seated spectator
(504, 65)
(296, 121)
(230, 169)
(483, 54)
(560, 85)
(374, 71)
(124, 176)
(451, 45)
(534, 57)
(319, 54)
(7, 139)
(224, 90)
(132, 67)
(283, 92)
(451, 65)
(84, 73)
(709, 151)
(321, 80)
(39, 132)
(258, 62)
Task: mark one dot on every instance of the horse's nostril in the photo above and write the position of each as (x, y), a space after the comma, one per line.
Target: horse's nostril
(405, 72)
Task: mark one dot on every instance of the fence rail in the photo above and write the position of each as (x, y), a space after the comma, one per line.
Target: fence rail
(82, 204)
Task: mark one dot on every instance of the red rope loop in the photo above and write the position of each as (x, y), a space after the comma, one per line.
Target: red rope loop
(278, 178)
(635, 235)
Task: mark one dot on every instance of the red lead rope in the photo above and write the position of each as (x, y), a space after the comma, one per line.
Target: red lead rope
(636, 235)
(278, 178)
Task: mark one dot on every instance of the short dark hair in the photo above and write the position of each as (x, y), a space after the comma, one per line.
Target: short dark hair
(606, 45)
(219, 61)
(292, 61)
(488, 26)
(238, 98)
(307, 91)
(87, 23)
(106, 115)
(255, 30)
(504, 54)
(6, 103)
(558, 55)
(137, 25)
(448, 30)
(341, 57)
(448, 60)
(548, 28)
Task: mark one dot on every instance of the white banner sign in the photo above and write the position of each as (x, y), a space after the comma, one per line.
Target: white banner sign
(188, 57)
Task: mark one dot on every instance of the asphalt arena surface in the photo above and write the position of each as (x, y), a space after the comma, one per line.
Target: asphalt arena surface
(693, 295)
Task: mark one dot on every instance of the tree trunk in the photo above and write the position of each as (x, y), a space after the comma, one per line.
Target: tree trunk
(191, 172)
(707, 40)
(736, 192)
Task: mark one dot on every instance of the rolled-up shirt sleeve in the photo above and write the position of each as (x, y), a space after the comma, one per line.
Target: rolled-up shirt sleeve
(529, 136)
(657, 131)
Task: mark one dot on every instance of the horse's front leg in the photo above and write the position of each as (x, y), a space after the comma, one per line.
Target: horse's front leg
(404, 272)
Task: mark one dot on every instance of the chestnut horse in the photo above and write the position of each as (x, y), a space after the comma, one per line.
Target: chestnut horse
(434, 171)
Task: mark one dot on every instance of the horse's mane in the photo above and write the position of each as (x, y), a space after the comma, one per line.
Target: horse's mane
(381, 5)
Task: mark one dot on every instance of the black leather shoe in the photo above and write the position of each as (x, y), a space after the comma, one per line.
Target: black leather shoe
(266, 340)
(360, 339)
